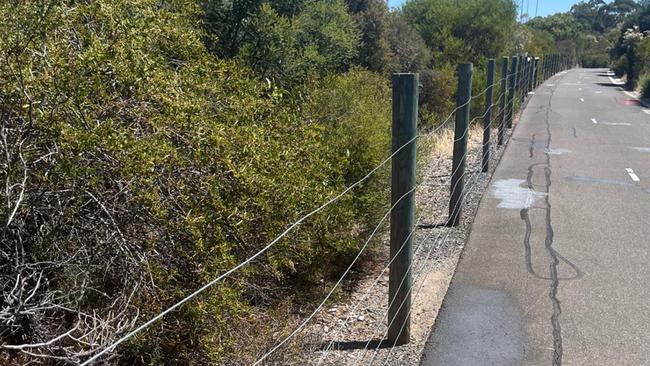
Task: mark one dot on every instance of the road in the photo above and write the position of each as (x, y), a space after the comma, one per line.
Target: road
(557, 267)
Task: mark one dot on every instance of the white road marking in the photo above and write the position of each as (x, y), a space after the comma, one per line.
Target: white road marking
(599, 92)
(531, 93)
(633, 175)
(582, 100)
(646, 111)
(594, 121)
(616, 81)
(551, 85)
(631, 95)
(642, 149)
(616, 124)
(579, 89)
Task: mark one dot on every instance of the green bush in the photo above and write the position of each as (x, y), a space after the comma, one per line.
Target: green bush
(620, 66)
(595, 61)
(150, 167)
(644, 84)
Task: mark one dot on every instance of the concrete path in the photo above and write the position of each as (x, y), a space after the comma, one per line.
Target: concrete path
(557, 268)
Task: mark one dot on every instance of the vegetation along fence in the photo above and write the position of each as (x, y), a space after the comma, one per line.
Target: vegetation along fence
(519, 76)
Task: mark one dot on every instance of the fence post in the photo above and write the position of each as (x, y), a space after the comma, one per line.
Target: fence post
(536, 77)
(531, 79)
(487, 121)
(461, 132)
(524, 79)
(519, 76)
(511, 93)
(504, 98)
(405, 112)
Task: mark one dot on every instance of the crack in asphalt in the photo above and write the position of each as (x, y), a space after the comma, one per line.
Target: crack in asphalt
(548, 243)
(532, 147)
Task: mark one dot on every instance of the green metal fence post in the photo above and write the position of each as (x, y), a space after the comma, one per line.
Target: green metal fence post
(405, 112)
(487, 121)
(503, 99)
(512, 90)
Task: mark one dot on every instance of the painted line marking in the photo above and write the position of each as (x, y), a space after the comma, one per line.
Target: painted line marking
(633, 175)
(616, 81)
(617, 124)
(531, 93)
(646, 111)
(594, 121)
(579, 89)
(551, 85)
(599, 92)
(631, 95)
(582, 100)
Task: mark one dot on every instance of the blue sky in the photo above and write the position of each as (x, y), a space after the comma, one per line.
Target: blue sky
(546, 7)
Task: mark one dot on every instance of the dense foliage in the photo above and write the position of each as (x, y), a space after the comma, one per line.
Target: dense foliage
(139, 166)
(631, 51)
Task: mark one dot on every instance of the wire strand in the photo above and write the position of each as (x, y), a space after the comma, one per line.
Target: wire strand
(247, 261)
(448, 231)
(408, 270)
(338, 283)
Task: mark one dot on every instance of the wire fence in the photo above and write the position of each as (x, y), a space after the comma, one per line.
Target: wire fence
(520, 81)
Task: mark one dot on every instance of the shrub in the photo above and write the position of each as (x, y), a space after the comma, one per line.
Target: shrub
(141, 167)
(644, 84)
(595, 61)
(620, 66)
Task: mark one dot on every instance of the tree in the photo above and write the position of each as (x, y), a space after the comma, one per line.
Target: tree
(285, 41)
(408, 51)
(372, 18)
(563, 26)
(467, 30)
(227, 21)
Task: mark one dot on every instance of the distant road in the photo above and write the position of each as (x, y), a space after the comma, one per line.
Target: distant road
(557, 268)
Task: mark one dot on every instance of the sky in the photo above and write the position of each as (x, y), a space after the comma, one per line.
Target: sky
(546, 7)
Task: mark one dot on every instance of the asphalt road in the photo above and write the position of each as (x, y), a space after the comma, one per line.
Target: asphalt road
(557, 267)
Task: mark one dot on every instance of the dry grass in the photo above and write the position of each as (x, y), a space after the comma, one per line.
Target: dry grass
(441, 143)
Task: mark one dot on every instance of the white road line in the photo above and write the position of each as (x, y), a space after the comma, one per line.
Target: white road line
(594, 121)
(616, 81)
(599, 92)
(616, 124)
(582, 100)
(646, 111)
(631, 95)
(579, 89)
(551, 85)
(633, 175)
